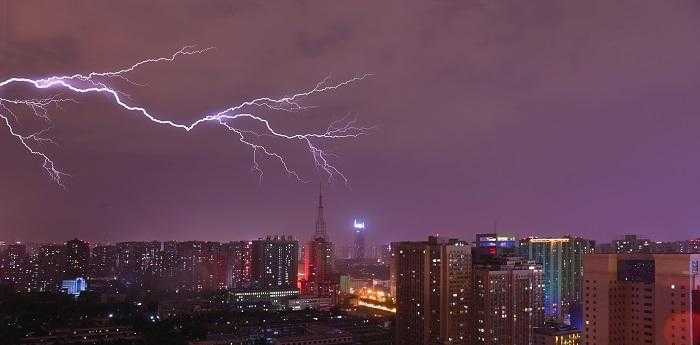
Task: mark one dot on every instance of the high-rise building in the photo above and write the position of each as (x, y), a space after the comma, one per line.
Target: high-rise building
(211, 268)
(432, 291)
(48, 267)
(318, 259)
(239, 264)
(274, 263)
(137, 262)
(168, 267)
(632, 299)
(507, 301)
(14, 266)
(359, 245)
(562, 262)
(189, 256)
(77, 255)
(103, 261)
(632, 244)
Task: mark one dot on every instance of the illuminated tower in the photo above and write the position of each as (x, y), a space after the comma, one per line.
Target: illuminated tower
(320, 220)
(318, 258)
(358, 250)
(562, 261)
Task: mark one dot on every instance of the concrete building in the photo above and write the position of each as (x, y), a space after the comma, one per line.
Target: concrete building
(47, 267)
(239, 263)
(103, 261)
(642, 299)
(507, 301)
(77, 255)
(432, 291)
(13, 267)
(274, 262)
(137, 261)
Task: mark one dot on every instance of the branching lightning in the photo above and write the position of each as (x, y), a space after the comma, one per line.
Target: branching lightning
(229, 118)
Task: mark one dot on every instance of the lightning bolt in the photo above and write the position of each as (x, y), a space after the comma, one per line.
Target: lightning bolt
(229, 119)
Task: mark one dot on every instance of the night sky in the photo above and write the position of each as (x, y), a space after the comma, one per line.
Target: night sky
(549, 116)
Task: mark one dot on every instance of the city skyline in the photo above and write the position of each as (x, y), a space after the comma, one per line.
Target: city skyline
(347, 235)
(549, 119)
(306, 172)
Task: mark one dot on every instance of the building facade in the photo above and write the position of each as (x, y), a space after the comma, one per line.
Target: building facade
(632, 244)
(562, 263)
(103, 261)
(432, 291)
(77, 255)
(274, 263)
(508, 301)
(239, 264)
(642, 299)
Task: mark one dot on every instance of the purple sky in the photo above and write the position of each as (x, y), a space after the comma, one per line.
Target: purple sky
(551, 116)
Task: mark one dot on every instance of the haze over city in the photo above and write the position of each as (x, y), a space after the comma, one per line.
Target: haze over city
(549, 118)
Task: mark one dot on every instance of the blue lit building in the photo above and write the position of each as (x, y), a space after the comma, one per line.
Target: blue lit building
(74, 286)
(562, 261)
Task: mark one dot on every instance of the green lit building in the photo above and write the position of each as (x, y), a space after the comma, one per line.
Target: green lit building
(562, 262)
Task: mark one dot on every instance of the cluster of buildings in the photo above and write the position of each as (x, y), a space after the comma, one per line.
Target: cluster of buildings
(496, 290)
(563, 291)
(187, 266)
(265, 268)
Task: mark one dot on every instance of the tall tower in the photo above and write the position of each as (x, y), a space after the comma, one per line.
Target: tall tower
(320, 220)
(359, 245)
(318, 258)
